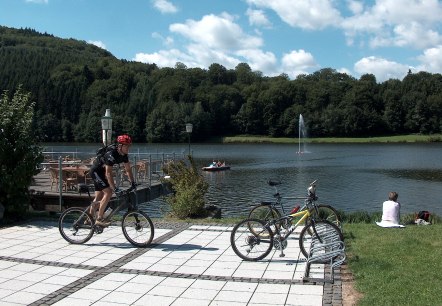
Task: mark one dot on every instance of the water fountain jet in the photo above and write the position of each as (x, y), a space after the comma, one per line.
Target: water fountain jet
(302, 135)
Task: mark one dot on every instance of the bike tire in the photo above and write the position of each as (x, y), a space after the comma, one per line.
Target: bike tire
(327, 212)
(251, 245)
(264, 213)
(323, 230)
(76, 225)
(137, 228)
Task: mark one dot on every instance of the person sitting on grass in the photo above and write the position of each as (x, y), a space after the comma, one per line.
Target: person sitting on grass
(391, 211)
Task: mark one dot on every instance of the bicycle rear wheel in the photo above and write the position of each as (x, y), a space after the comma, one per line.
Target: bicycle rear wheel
(251, 245)
(137, 228)
(264, 213)
(323, 232)
(76, 225)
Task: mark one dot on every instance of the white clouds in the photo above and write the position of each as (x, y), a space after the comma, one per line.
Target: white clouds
(164, 58)
(381, 24)
(411, 23)
(218, 32)
(305, 14)
(356, 7)
(431, 60)
(218, 39)
(298, 62)
(381, 68)
(258, 18)
(164, 6)
(167, 41)
(261, 61)
(415, 35)
(97, 43)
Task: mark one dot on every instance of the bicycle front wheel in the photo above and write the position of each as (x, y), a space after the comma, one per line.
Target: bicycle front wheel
(329, 213)
(76, 225)
(322, 231)
(137, 228)
(251, 239)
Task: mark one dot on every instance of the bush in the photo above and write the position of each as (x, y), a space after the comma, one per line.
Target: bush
(188, 188)
(19, 154)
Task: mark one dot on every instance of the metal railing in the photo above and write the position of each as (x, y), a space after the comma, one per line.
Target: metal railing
(147, 168)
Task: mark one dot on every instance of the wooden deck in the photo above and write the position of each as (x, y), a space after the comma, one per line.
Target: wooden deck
(45, 197)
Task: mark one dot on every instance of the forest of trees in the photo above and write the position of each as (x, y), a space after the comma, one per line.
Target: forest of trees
(73, 82)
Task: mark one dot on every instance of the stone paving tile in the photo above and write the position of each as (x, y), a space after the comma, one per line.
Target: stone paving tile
(185, 265)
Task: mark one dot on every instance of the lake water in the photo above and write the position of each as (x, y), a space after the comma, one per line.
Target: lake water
(351, 177)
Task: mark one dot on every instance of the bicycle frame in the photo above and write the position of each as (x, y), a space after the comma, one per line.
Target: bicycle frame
(121, 204)
(115, 210)
(305, 215)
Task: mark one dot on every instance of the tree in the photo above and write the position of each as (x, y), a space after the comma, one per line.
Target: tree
(19, 154)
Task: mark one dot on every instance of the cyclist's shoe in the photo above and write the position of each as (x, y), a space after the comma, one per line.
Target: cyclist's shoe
(87, 222)
(102, 222)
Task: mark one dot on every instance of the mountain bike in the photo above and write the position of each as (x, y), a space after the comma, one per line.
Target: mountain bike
(253, 239)
(77, 225)
(267, 210)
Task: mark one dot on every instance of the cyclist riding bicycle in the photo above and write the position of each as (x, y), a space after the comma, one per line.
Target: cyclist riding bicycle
(103, 176)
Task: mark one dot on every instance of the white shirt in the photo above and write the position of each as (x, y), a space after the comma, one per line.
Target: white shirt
(390, 211)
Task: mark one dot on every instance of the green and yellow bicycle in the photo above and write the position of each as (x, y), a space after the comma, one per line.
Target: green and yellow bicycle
(252, 239)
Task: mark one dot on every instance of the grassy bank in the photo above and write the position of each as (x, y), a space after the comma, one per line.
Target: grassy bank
(387, 139)
(395, 266)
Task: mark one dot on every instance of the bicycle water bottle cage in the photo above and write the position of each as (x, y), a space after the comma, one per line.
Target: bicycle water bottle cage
(273, 183)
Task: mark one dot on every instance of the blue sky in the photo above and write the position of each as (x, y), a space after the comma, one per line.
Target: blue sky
(382, 37)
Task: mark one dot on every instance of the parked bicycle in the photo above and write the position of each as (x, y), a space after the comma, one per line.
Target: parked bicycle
(267, 210)
(253, 239)
(77, 225)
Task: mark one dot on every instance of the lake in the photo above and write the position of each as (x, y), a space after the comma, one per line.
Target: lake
(351, 177)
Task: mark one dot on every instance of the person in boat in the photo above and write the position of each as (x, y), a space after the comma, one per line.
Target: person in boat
(219, 164)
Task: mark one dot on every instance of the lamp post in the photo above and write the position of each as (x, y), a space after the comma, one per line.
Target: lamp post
(106, 127)
(189, 128)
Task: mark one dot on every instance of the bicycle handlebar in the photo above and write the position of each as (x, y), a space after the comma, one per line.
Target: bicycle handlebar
(125, 191)
(311, 189)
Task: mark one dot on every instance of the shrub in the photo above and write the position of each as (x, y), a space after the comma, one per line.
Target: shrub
(188, 188)
(19, 154)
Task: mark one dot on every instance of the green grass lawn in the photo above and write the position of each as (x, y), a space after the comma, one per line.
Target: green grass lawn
(396, 266)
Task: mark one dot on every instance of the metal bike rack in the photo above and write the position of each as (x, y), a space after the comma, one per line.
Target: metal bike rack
(331, 253)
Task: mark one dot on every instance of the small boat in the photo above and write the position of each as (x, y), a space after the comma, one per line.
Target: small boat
(216, 167)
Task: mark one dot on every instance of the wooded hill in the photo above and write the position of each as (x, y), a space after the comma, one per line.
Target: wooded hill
(73, 82)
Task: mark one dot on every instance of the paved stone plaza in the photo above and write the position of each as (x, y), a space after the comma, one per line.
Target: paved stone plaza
(187, 264)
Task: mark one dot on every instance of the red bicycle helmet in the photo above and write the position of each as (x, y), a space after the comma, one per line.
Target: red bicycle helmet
(124, 139)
